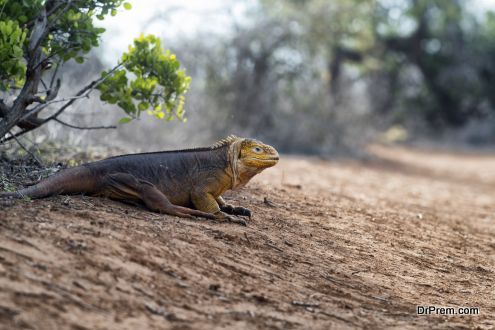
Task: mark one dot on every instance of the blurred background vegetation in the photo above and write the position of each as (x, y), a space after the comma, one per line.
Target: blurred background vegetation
(312, 76)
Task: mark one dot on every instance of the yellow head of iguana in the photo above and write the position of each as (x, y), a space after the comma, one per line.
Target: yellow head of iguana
(249, 157)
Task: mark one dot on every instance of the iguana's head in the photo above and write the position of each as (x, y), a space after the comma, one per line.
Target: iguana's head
(256, 154)
(249, 157)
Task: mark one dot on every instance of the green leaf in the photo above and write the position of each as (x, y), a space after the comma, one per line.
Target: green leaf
(143, 106)
(150, 79)
(125, 120)
(79, 59)
(127, 6)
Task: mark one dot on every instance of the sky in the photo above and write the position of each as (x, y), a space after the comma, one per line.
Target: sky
(171, 18)
(166, 19)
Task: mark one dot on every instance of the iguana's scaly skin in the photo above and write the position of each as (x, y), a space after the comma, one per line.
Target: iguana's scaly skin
(183, 183)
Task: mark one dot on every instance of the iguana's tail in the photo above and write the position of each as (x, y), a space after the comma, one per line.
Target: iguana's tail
(68, 181)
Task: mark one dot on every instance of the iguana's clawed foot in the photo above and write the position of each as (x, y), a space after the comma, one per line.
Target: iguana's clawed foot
(234, 219)
(236, 210)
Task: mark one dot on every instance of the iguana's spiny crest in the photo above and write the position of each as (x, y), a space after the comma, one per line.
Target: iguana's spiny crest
(226, 141)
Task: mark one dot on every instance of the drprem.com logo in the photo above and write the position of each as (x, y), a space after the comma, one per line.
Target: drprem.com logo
(438, 310)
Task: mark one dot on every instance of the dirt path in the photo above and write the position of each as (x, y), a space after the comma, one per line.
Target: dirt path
(331, 245)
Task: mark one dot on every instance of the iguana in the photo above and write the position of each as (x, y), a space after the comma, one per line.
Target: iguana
(183, 183)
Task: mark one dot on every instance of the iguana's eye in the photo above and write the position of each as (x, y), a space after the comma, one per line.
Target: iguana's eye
(257, 150)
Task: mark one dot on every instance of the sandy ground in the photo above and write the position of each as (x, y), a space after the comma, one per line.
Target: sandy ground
(332, 245)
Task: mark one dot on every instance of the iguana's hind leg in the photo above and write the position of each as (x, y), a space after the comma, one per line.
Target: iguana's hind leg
(124, 186)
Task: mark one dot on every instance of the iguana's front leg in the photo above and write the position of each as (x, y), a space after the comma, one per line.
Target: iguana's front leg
(231, 209)
(205, 202)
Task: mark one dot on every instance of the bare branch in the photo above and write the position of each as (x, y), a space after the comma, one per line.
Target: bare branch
(38, 33)
(43, 83)
(26, 149)
(52, 93)
(82, 127)
(13, 136)
(42, 106)
(4, 110)
(37, 99)
(55, 72)
(84, 92)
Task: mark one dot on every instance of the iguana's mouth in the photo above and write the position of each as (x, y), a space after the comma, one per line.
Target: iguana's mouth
(268, 160)
(263, 161)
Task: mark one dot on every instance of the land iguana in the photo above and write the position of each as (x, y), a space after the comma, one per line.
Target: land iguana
(183, 183)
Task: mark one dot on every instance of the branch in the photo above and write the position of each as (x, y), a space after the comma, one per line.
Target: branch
(52, 93)
(42, 106)
(55, 72)
(37, 34)
(84, 92)
(41, 34)
(26, 150)
(33, 76)
(81, 127)
(54, 8)
(13, 136)
(32, 121)
(4, 110)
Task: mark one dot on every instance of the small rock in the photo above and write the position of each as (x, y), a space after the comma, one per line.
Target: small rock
(214, 287)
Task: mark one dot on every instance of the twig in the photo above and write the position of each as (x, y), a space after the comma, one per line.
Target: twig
(81, 127)
(304, 304)
(274, 246)
(26, 150)
(247, 238)
(3, 7)
(52, 55)
(269, 202)
(306, 262)
(43, 83)
(55, 71)
(40, 107)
